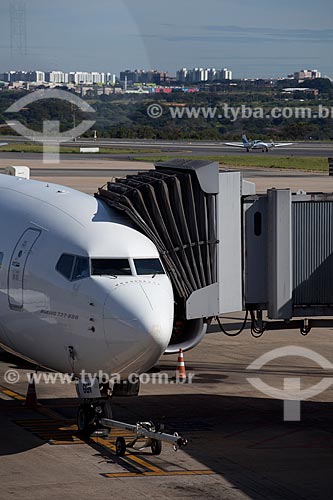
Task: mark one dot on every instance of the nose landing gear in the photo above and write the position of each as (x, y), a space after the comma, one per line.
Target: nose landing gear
(94, 416)
(89, 414)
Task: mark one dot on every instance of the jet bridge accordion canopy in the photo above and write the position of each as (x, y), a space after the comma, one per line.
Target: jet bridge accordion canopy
(171, 209)
(177, 207)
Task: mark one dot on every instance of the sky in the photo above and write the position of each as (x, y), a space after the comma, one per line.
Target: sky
(253, 38)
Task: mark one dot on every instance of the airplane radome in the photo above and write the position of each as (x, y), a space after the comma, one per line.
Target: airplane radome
(80, 289)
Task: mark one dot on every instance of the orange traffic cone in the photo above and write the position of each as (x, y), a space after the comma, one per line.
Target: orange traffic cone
(31, 397)
(181, 370)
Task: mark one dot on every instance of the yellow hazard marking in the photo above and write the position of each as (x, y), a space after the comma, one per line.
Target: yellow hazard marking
(12, 394)
(129, 458)
(56, 442)
(39, 408)
(161, 473)
(53, 429)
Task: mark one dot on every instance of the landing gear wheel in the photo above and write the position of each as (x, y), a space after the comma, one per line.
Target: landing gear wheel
(85, 422)
(120, 446)
(156, 447)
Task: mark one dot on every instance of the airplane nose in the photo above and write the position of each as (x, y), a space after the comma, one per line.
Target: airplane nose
(138, 321)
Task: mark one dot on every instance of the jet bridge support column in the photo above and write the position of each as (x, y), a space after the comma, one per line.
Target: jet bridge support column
(279, 254)
(226, 294)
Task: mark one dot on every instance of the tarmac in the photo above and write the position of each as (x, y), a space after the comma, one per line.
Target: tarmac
(88, 174)
(239, 447)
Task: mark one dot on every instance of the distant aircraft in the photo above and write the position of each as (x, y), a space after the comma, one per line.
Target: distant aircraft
(3, 143)
(258, 144)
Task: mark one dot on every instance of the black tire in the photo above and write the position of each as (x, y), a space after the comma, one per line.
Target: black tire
(120, 446)
(156, 447)
(84, 418)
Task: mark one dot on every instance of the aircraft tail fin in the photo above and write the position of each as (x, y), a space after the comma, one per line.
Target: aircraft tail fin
(244, 139)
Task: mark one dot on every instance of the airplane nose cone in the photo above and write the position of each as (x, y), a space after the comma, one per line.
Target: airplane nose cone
(138, 321)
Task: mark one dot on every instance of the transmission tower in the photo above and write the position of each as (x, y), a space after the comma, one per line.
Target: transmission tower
(18, 28)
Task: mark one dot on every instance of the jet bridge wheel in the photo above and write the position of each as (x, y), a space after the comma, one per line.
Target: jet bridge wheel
(120, 446)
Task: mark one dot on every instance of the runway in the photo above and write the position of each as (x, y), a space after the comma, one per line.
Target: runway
(188, 148)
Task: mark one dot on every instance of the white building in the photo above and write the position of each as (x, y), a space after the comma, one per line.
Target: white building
(307, 74)
(197, 75)
(226, 74)
(111, 78)
(57, 77)
(38, 76)
(98, 78)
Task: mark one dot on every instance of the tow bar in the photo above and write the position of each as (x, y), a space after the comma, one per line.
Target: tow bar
(152, 434)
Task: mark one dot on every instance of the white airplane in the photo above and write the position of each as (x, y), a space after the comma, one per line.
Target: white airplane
(80, 289)
(257, 144)
(3, 143)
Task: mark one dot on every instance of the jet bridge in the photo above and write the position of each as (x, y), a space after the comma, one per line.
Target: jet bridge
(288, 261)
(227, 249)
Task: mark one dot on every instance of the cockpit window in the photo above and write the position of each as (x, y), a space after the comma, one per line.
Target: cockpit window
(73, 267)
(148, 266)
(110, 267)
(81, 268)
(65, 265)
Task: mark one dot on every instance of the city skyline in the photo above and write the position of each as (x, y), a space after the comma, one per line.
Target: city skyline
(183, 75)
(266, 40)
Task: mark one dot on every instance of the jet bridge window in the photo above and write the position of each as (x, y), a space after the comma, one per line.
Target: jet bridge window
(73, 267)
(110, 267)
(148, 266)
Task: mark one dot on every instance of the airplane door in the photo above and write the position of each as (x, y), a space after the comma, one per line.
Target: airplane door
(17, 266)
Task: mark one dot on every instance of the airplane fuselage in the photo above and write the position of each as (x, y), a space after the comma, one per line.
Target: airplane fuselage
(78, 287)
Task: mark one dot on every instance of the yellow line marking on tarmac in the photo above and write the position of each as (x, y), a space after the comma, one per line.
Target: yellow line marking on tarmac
(47, 428)
(12, 394)
(39, 408)
(149, 466)
(161, 473)
(56, 432)
(129, 458)
(50, 413)
(4, 397)
(55, 442)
